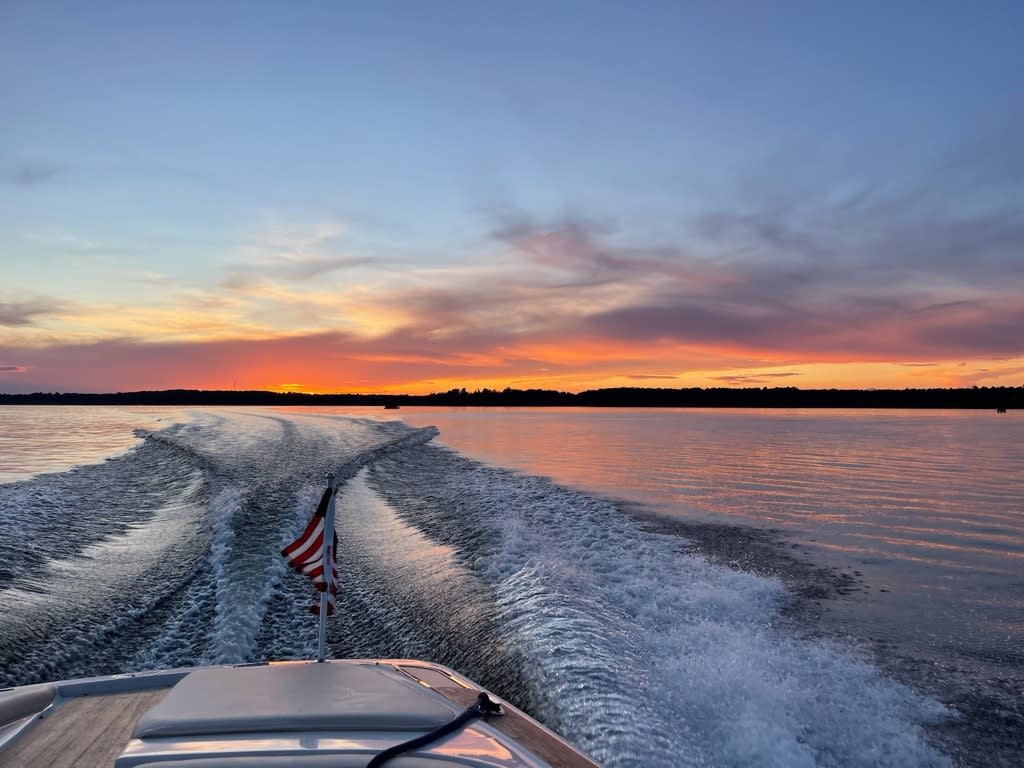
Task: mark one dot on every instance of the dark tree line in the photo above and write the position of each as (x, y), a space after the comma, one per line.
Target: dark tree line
(631, 397)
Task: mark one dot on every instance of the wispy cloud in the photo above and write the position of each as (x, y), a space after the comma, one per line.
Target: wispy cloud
(23, 313)
(579, 248)
(31, 174)
(854, 328)
(924, 267)
(292, 255)
(959, 221)
(753, 378)
(292, 269)
(566, 282)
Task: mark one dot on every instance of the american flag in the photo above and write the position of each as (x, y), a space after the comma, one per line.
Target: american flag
(306, 554)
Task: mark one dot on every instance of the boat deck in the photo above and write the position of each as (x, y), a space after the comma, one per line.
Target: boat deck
(553, 751)
(89, 724)
(82, 732)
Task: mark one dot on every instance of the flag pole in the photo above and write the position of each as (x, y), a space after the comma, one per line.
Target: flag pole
(328, 561)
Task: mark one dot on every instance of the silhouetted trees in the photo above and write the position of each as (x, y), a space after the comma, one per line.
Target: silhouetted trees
(630, 397)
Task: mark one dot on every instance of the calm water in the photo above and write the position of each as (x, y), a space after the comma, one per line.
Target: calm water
(507, 547)
(928, 505)
(50, 439)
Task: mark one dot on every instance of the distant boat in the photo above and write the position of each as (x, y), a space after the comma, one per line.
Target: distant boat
(998, 410)
(391, 407)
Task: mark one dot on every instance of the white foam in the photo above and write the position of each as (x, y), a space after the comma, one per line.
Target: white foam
(100, 570)
(109, 584)
(666, 659)
(414, 563)
(234, 624)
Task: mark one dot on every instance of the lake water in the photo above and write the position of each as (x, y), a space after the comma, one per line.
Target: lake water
(929, 506)
(923, 509)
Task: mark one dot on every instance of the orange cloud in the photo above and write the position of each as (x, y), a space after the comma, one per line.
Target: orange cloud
(340, 363)
(556, 306)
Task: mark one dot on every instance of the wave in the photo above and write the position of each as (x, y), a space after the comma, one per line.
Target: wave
(562, 602)
(642, 653)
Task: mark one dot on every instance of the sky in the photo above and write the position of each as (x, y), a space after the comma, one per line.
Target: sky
(415, 196)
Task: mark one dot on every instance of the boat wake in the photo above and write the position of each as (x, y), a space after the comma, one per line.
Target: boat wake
(564, 603)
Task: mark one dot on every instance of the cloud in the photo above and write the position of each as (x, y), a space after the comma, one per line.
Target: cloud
(1001, 373)
(874, 272)
(404, 360)
(12, 369)
(851, 328)
(979, 328)
(31, 174)
(156, 279)
(578, 248)
(568, 244)
(960, 221)
(308, 268)
(808, 268)
(23, 313)
(322, 362)
(753, 378)
(291, 255)
(292, 269)
(577, 286)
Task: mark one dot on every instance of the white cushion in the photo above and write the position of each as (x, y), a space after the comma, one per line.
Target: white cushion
(294, 697)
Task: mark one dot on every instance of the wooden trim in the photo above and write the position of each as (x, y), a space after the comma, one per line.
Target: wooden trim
(524, 731)
(84, 732)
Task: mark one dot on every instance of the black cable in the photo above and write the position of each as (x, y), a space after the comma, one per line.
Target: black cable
(483, 707)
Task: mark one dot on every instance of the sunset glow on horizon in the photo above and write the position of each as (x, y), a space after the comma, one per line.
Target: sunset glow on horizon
(384, 199)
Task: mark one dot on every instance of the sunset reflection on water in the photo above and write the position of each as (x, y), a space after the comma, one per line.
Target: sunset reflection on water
(927, 505)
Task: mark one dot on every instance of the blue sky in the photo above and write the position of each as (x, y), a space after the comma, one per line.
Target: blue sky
(153, 154)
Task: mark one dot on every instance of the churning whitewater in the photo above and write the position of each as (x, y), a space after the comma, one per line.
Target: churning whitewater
(169, 555)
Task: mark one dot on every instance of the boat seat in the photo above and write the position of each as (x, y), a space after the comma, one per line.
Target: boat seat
(293, 697)
(22, 702)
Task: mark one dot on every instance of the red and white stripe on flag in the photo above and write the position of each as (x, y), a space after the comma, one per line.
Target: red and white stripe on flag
(306, 555)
